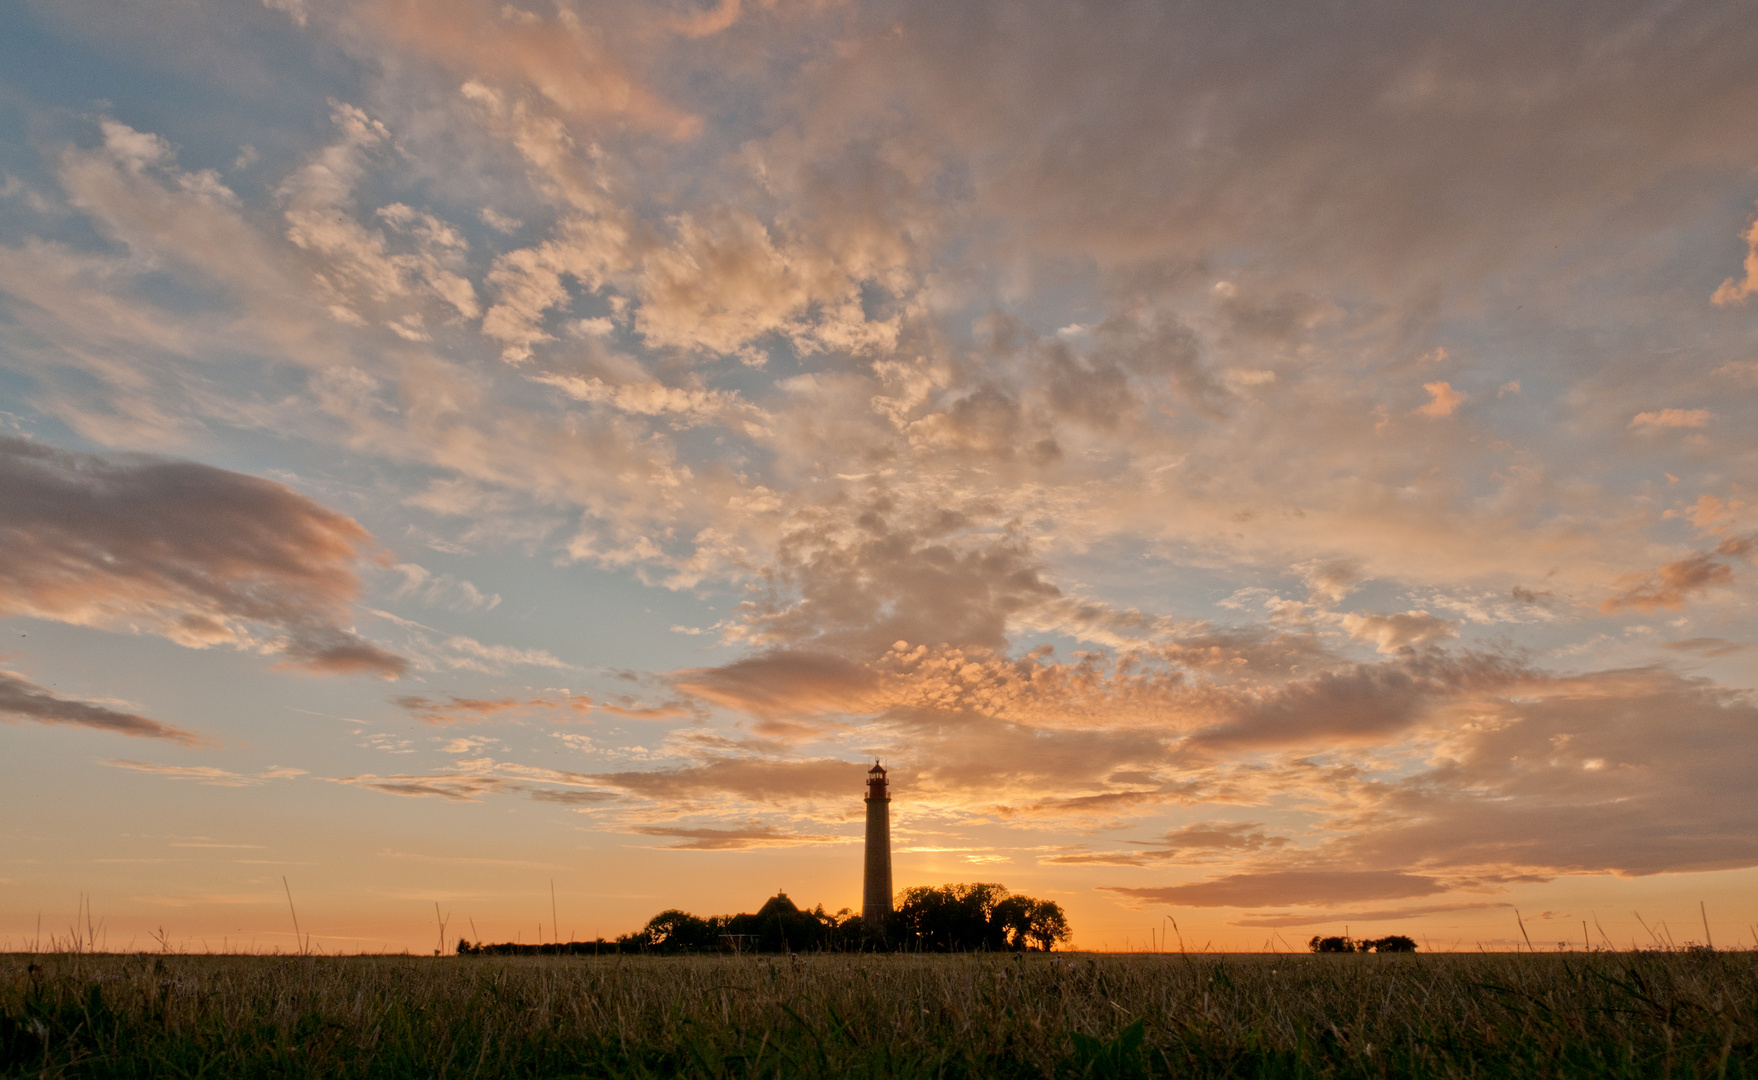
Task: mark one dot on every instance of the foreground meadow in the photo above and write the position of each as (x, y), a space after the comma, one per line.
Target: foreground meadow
(829, 1015)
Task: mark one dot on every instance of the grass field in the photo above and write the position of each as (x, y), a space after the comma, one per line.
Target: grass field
(1673, 1014)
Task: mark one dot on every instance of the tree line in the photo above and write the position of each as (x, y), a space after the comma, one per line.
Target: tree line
(1390, 943)
(947, 918)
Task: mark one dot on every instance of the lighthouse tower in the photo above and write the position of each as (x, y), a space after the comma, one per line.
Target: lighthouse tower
(876, 888)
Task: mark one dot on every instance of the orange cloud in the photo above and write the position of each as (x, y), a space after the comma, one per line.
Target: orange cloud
(1207, 839)
(1393, 632)
(567, 61)
(1443, 400)
(1278, 887)
(1671, 418)
(1671, 585)
(196, 554)
(754, 835)
(474, 710)
(1734, 291)
(21, 699)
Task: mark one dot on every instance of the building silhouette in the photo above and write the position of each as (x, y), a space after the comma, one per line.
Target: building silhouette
(876, 886)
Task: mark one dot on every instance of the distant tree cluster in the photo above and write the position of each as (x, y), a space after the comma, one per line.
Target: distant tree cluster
(974, 918)
(947, 918)
(778, 926)
(1390, 943)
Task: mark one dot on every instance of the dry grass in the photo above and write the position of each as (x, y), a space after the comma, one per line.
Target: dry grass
(1603, 1014)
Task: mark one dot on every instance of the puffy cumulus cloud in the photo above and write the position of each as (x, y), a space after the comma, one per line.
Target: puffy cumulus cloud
(530, 282)
(21, 699)
(1675, 582)
(1330, 580)
(1278, 887)
(562, 57)
(1632, 772)
(1735, 290)
(1135, 357)
(650, 397)
(196, 554)
(131, 184)
(359, 266)
(1389, 633)
(852, 580)
(721, 284)
(1443, 400)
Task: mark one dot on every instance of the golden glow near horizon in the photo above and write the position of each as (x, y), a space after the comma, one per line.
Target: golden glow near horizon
(1259, 470)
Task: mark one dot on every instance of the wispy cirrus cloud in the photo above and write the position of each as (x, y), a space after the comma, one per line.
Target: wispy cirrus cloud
(454, 709)
(733, 838)
(1277, 887)
(209, 774)
(21, 699)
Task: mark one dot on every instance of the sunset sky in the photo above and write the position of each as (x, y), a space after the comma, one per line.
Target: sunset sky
(1275, 467)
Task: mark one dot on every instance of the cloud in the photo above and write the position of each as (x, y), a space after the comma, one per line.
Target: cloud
(562, 58)
(21, 699)
(1363, 702)
(196, 554)
(1201, 841)
(1393, 632)
(1674, 583)
(1634, 772)
(1443, 400)
(1332, 579)
(474, 710)
(784, 683)
(1734, 291)
(1332, 918)
(359, 264)
(1708, 646)
(853, 587)
(529, 282)
(207, 774)
(753, 780)
(1670, 418)
(1278, 887)
(450, 788)
(442, 589)
(754, 835)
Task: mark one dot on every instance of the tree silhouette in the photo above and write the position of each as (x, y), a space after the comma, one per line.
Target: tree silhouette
(974, 917)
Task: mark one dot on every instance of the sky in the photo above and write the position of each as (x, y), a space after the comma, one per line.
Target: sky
(1249, 471)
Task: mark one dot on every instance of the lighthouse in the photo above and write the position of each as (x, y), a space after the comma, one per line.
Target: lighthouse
(876, 887)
